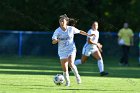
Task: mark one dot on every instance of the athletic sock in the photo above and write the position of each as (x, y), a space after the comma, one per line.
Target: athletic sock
(77, 62)
(75, 71)
(66, 76)
(100, 65)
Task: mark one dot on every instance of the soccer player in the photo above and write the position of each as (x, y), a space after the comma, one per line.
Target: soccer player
(92, 47)
(64, 36)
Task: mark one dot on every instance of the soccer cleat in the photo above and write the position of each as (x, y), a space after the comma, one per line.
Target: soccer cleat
(67, 84)
(78, 79)
(103, 73)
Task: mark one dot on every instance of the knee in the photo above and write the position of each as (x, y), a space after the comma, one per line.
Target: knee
(99, 58)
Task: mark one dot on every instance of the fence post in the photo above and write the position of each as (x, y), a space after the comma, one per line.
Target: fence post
(20, 44)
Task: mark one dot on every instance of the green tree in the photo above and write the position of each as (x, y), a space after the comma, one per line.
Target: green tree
(42, 15)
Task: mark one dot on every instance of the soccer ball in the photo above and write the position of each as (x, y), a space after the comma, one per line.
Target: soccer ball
(58, 79)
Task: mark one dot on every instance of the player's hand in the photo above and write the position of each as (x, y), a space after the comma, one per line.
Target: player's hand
(99, 47)
(83, 33)
(91, 35)
(54, 41)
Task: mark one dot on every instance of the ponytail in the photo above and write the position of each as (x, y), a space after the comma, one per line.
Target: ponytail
(72, 22)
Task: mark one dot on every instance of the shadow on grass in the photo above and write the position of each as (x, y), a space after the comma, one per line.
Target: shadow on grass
(28, 73)
(30, 85)
(51, 66)
(97, 90)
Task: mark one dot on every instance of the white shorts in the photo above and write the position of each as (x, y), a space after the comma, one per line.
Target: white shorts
(66, 54)
(88, 50)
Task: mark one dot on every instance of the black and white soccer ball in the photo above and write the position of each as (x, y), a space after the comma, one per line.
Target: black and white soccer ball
(58, 79)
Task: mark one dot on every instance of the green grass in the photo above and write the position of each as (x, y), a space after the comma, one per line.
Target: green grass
(35, 75)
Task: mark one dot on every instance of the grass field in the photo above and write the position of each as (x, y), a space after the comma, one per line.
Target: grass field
(35, 75)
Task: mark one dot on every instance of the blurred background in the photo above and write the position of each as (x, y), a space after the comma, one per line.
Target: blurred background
(26, 26)
(42, 15)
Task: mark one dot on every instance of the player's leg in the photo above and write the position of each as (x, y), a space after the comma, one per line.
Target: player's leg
(97, 55)
(122, 60)
(64, 65)
(71, 59)
(126, 51)
(82, 60)
(85, 54)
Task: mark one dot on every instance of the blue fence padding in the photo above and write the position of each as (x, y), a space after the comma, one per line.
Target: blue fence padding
(25, 32)
(39, 43)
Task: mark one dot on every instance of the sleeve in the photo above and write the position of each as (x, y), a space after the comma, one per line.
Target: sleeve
(75, 30)
(139, 34)
(55, 35)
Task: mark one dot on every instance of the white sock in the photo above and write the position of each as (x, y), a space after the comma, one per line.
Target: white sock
(75, 71)
(100, 65)
(77, 62)
(66, 76)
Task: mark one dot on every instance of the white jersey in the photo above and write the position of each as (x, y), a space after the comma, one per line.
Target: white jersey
(94, 38)
(88, 49)
(66, 43)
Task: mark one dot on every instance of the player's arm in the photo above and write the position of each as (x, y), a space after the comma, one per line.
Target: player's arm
(55, 41)
(86, 34)
(97, 44)
(91, 42)
(83, 33)
(91, 35)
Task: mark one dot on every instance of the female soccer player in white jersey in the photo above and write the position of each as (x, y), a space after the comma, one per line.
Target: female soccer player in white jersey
(64, 35)
(92, 47)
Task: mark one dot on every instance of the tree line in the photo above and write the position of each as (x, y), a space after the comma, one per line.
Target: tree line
(42, 15)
